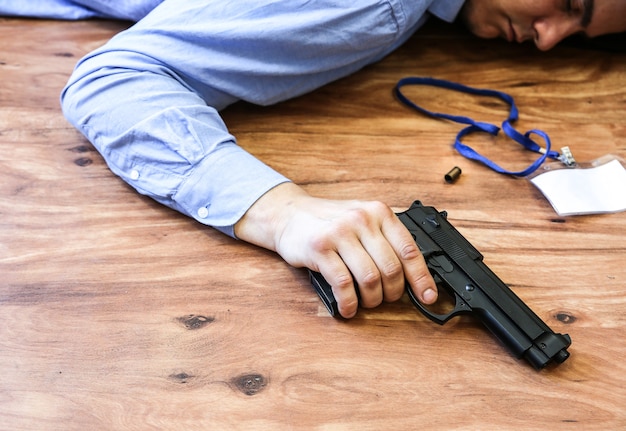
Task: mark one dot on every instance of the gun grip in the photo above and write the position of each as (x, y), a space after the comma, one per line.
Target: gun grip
(325, 292)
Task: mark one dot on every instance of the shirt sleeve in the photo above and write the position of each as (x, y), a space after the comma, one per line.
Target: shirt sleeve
(132, 10)
(149, 99)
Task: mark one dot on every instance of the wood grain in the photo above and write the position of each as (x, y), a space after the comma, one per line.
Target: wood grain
(118, 313)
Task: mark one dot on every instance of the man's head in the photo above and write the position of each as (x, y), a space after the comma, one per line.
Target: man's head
(546, 22)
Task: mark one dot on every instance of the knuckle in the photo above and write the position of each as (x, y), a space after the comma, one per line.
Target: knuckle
(394, 287)
(326, 238)
(370, 279)
(380, 208)
(356, 217)
(393, 270)
(366, 213)
(344, 281)
(422, 278)
(409, 251)
(370, 289)
(321, 244)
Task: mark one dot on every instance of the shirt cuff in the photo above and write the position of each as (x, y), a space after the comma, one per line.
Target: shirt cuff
(243, 179)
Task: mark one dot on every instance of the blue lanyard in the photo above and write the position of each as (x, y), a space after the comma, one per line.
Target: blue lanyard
(476, 126)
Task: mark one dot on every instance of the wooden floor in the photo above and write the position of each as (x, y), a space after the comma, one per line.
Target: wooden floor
(118, 313)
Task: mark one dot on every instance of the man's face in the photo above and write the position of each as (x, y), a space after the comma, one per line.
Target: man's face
(546, 22)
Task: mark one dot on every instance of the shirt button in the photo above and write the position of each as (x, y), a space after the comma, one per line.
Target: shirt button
(203, 212)
(134, 175)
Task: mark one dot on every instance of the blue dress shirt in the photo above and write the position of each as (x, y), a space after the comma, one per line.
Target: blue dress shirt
(149, 99)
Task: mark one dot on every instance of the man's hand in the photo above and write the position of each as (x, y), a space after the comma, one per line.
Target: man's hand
(346, 241)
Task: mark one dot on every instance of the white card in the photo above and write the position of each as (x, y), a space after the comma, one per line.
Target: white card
(600, 189)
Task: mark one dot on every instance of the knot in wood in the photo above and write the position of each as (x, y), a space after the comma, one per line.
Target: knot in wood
(250, 384)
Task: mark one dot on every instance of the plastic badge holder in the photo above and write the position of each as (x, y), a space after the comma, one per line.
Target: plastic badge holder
(584, 188)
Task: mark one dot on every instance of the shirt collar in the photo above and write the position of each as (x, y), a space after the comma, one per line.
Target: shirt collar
(446, 10)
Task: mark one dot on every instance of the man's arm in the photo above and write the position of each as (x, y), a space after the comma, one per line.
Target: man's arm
(149, 101)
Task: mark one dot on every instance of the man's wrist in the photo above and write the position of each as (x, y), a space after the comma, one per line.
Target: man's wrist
(264, 221)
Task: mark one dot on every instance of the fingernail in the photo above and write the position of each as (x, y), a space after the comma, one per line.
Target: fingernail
(429, 296)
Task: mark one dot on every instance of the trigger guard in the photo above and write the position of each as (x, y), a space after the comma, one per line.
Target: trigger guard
(460, 307)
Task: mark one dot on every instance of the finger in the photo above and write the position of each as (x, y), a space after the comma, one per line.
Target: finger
(337, 274)
(389, 271)
(414, 267)
(364, 271)
(369, 256)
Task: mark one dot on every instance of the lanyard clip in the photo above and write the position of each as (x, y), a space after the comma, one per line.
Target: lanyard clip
(567, 157)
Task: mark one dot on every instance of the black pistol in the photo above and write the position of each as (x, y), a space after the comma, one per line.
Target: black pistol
(458, 268)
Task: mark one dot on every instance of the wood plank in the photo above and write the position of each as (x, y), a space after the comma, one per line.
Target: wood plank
(118, 313)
